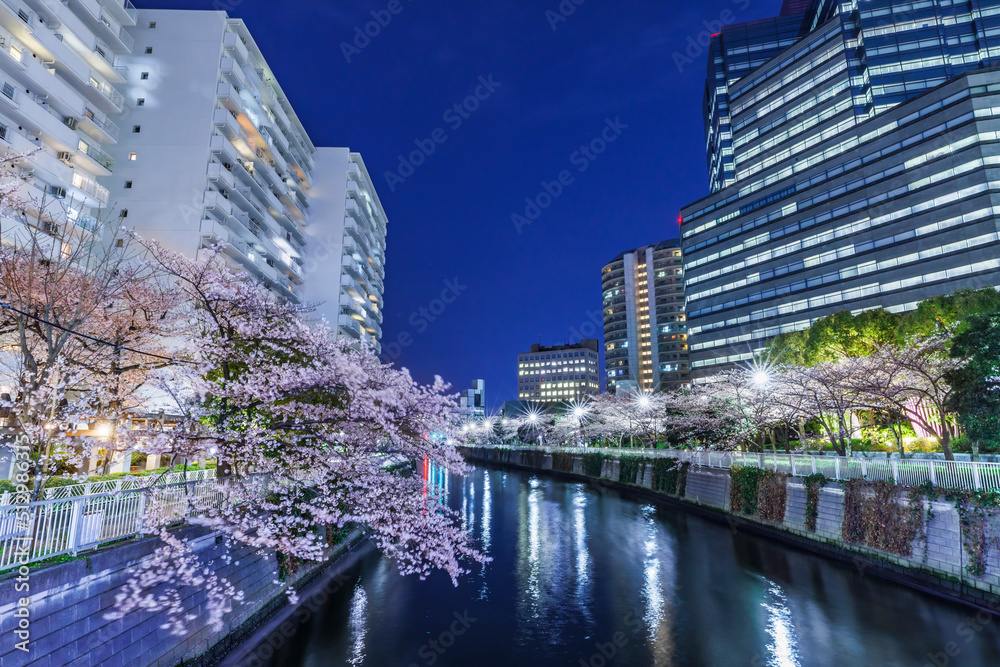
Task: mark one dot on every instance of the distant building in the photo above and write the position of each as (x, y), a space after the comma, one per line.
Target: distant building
(559, 373)
(645, 332)
(473, 401)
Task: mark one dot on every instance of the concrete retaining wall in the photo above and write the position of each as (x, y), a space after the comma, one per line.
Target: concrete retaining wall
(69, 600)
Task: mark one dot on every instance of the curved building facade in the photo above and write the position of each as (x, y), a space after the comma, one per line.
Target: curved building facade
(645, 328)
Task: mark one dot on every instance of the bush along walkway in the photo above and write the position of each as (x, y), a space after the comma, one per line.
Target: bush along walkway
(947, 540)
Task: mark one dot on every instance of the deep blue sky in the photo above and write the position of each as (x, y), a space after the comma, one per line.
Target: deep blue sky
(451, 220)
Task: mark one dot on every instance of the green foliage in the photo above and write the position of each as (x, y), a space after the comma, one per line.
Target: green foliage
(944, 312)
(682, 476)
(835, 337)
(629, 467)
(665, 475)
(593, 464)
(743, 488)
(975, 396)
(562, 461)
(814, 483)
(876, 516)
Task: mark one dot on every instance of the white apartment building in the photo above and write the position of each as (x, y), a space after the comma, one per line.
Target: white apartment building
(345, 250)
(212, 149)
(61, 67)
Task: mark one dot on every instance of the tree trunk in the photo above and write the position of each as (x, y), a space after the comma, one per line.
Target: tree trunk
(975, 450)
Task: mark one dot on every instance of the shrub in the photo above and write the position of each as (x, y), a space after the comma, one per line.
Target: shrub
(743, 488)
(593, 464)
(772, 493)
(876, 516)
(813, 484)
(629, 467)
(562, 461)
(665, 475)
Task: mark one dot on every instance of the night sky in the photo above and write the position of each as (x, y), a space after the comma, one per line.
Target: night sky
(554, 82)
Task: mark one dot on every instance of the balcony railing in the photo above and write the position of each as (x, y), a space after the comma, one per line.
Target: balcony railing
(109, 93)
(102, 122)
(97, 155)
(91, 187)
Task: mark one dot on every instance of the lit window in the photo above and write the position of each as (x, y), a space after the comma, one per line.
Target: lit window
(131, 157)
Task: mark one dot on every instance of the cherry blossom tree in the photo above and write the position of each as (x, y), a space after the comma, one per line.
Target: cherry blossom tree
(304, 425)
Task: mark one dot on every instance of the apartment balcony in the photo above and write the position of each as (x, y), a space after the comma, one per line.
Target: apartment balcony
(96, 195)
(226, 151)
(349, 326)
(102, 160)
(105, 25)
(234, 46)
(225, 119)
(215, 200)
(104, 95)
(232, 72)
(123, 11)
(229, 96)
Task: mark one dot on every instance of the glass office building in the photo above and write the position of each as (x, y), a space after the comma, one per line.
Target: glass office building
(859, 173)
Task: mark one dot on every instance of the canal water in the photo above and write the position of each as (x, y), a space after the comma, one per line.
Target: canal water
(588, 577)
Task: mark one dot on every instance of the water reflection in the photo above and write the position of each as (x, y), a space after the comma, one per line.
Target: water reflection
(781, 648)
(359, 625)
(579, 572)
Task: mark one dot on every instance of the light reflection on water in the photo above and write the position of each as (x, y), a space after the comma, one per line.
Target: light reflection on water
(580, 572)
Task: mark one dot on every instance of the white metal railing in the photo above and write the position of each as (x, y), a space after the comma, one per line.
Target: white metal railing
(969, 475)
(43, 529)
(115, 485)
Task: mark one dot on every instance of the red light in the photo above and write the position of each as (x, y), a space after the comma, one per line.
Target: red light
(716, 34)
(680, 220)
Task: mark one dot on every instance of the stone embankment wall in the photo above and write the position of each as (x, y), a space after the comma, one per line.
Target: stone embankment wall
(938, 561)
(66, 624)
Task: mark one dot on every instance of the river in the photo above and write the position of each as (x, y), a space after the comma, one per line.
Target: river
(588, 577)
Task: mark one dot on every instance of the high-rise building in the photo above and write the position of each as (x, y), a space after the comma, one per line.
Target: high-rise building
(862, 174)
(61, 68)
(212, 149)
(345, 247)
(472, 402)
(552, 374)
(645, 332)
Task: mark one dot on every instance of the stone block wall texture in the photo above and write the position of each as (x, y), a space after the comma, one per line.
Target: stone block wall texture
(69, 601)
(708, 487)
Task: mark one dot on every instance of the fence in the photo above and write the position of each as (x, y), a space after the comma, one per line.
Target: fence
(115, 485)
(53, 527)
(968, 475)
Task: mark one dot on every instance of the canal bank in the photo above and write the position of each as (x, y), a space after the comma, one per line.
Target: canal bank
(943, 550)
(66, 622)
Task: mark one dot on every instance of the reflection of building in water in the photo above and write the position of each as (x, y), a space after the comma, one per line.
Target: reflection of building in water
(658, 594)
(547, 567)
